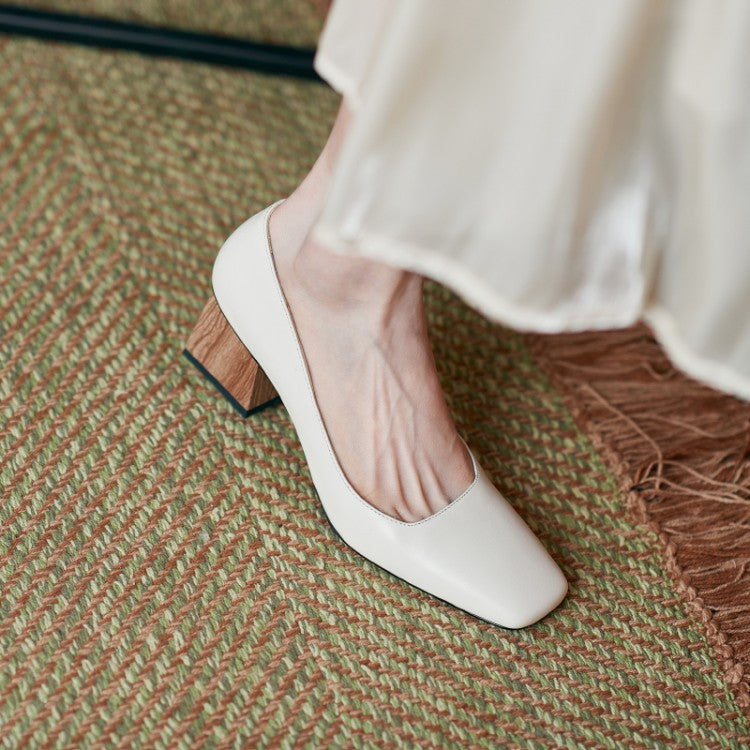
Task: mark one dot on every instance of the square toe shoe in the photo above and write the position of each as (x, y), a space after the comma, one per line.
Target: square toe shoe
(476, 554)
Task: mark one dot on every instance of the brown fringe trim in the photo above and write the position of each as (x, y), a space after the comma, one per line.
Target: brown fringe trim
(681, 451)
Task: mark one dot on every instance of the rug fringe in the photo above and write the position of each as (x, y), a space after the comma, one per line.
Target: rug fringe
(681, 452)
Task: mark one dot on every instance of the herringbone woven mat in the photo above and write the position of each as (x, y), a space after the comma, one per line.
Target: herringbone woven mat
(168, 578)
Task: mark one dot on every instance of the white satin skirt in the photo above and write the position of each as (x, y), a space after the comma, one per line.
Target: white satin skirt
(561, 166)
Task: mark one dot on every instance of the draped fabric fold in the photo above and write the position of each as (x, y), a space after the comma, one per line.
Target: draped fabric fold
(560, 166)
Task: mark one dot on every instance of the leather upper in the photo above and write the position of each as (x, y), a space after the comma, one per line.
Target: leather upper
(476, 553)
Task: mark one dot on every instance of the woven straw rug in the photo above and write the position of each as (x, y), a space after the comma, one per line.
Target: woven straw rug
(167, 576)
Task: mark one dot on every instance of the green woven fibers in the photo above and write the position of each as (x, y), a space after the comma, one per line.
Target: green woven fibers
(168, 579)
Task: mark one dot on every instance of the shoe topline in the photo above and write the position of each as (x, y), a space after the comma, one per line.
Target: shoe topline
(476, 553)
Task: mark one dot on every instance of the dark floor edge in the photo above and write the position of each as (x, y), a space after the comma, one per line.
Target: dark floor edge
(216, 49)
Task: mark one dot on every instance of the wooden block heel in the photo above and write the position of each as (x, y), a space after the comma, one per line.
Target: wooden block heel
(215, 349)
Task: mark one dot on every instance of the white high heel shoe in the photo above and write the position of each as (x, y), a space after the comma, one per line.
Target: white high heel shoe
(476, 553)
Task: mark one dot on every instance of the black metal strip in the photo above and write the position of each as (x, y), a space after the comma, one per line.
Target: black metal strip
(152, 40)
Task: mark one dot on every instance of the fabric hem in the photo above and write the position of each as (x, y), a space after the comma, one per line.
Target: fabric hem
(701, 368)
(336, 78)
(467, 286)
(479, 296)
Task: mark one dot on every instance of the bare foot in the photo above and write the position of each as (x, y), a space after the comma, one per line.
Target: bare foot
(364, 334)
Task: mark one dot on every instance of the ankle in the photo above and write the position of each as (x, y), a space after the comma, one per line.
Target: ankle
(354, 285)
(322, 280)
